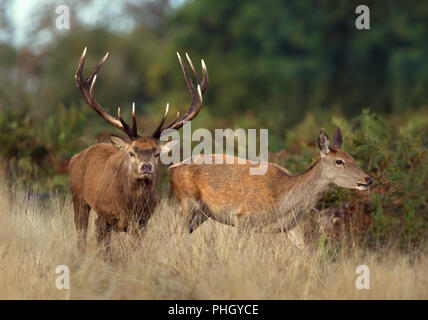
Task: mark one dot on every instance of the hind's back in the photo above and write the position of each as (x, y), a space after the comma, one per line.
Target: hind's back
(225, 186)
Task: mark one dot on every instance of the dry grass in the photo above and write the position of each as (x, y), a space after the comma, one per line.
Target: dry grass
(216, 262)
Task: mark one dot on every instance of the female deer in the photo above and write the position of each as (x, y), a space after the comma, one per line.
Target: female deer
(275, 201)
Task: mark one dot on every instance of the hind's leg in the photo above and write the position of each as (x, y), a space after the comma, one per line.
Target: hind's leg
(189, 210)
(81, 218)
(198, 219)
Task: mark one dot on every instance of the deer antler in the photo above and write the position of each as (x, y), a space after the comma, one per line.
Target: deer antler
(195, 92)
(86, 86)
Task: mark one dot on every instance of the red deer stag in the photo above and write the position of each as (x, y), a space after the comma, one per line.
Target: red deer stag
(119, 179)
(274, 201)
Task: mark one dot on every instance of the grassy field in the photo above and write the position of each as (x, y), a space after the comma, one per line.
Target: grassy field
(216, 262)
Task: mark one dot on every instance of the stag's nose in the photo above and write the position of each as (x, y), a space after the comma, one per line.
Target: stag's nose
(369, 180)
(146, 168)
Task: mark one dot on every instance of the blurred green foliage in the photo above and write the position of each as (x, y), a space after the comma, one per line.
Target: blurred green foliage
(36, 150)
(269, 62)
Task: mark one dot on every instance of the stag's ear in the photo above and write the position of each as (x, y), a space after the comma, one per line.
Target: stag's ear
(118, 143)
(323, 142)
(168, 145)
(337, 138)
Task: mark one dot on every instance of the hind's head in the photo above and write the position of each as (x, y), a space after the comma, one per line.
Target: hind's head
(338, 166)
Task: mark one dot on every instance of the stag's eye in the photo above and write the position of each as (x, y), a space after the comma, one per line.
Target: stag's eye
(339, 162)
(155, 152)
(131, 154)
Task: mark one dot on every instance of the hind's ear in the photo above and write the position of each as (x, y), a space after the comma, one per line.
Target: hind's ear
(337, 138)
(118, 143)
(323, 142)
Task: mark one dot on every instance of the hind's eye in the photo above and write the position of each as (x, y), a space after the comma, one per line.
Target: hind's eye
(157, 154)
(131, 154)
(339, 162)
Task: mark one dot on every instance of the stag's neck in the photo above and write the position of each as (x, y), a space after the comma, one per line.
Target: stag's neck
(301, 192)
(136, 185)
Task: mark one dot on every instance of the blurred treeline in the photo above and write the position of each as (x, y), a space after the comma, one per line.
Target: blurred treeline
(289, 66)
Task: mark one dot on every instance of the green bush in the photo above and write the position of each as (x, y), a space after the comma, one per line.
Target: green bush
(36, 148)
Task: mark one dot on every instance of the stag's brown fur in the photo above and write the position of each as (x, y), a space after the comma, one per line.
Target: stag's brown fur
(274, 201)
(100, 178)
(119, 179)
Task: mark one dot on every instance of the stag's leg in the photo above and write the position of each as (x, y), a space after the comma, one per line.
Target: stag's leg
(138, 225)
(81, 218)
(138, 230)
(103, 229)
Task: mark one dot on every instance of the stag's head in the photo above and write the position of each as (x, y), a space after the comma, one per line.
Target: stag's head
(142, 153)
(338, 166)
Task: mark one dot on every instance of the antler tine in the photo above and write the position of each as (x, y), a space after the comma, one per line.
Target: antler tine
(196, 93)
(79, 72)
(81, 64)
(156, 134)
(192, 112)
(173, 121)
(87, 89)
(134, 122)
(81, 84)
(124, 124)
(94, 105)
(132, 130)
(169, 125)
(204, 83)
(198, 81)
(187, 77)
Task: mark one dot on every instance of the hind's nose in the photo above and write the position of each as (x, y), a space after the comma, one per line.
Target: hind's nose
(146, 168)
(369, 180)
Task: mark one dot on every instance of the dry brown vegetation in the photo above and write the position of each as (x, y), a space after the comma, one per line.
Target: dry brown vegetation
(215, 262)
